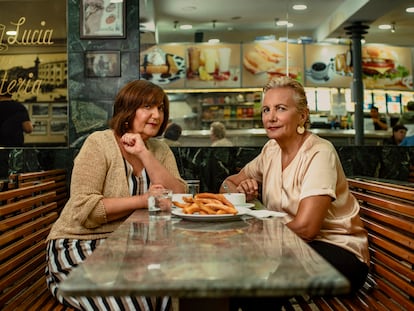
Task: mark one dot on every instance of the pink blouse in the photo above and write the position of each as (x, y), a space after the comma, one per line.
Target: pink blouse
(315, 170)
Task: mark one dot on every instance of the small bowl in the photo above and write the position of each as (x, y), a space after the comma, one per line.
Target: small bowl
(236, 198)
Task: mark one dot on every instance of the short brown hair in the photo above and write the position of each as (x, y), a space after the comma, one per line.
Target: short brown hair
(218, 129)
(132, 96)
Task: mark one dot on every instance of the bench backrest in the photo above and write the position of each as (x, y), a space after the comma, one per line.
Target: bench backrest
(26, 215)
(387, 211)
(21, 180)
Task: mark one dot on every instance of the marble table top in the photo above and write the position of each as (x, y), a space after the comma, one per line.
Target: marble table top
(184, 258)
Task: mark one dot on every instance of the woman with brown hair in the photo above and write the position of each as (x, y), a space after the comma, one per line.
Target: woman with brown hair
(111, 177)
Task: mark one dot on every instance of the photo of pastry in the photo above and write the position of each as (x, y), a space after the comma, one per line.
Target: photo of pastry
(161, 67)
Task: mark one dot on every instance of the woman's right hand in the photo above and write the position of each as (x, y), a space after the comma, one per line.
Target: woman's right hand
(250, 187)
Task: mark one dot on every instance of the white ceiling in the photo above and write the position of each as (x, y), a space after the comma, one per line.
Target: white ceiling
(244, 20)
(247, 18)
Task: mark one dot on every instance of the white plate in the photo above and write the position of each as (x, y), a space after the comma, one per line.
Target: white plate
(196, 217)
(245, 205)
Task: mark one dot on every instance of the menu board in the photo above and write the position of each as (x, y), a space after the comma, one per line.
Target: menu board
(204, 65)
(368, 101)
(323, 99)
(311, 97)
(379, 101)
(327, 66)
(350, 104)
(393, 102)
(213, 65)
(164, 65)
(406, 97)
(263, 60)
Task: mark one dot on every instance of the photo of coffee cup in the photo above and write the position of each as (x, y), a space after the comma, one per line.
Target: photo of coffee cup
(319, 71)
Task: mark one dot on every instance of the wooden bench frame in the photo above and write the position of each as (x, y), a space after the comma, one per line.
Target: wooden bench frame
(387, 211)
(26, 214)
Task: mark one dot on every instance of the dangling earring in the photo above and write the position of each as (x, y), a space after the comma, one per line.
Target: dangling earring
(126, 126)
(300, 129)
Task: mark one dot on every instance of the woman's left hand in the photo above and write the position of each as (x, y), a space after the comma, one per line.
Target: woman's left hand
(133, 143)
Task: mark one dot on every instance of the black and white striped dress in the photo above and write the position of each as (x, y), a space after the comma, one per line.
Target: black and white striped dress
(65, 254)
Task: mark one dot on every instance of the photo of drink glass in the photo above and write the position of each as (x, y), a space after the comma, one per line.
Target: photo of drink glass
(224, 59)
(193, 186)
(210, 60)
(194, 59)
(159, 204)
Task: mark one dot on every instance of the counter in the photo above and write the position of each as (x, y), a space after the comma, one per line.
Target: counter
(257, 137)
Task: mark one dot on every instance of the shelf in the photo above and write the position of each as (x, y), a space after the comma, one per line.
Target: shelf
(247, 104)
(232, 90)
(230, 120)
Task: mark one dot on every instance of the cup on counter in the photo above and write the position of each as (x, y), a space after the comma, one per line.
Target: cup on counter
(193, 186)
(159, 204)
(236, 198)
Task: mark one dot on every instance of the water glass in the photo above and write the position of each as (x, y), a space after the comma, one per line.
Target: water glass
(159, 204)
(193, 186)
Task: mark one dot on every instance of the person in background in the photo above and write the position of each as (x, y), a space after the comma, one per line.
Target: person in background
(111, 176)
(398, 134)
(218, 135)
(172, 134)
(408, 141)
(407, 118)
(301, 174)
(14, 120)
(380, 123)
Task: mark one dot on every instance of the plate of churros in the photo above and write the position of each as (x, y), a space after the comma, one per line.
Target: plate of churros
(207, 207)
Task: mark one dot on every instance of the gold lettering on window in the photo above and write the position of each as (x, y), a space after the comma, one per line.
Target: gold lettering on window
(42, 36)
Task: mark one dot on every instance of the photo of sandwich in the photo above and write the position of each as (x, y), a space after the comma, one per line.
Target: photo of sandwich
(265, 60)
(381, 67)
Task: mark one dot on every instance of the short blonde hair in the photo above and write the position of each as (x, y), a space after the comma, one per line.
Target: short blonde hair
(287, 82)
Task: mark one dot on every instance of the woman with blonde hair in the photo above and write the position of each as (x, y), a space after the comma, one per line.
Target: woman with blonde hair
(301, 174)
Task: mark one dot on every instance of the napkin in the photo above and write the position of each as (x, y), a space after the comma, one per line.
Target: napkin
(263, 213)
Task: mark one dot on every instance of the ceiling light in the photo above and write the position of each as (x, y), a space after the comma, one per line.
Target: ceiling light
(384, 26)
(281, 23)
(410, 9)
(213, 41)
(186, 26)
(11, 32)
(299, 7)
(393, 27)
